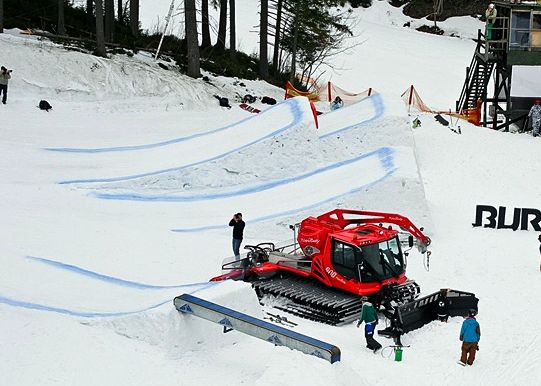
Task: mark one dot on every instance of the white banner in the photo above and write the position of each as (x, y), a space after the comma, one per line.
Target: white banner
(526, 81)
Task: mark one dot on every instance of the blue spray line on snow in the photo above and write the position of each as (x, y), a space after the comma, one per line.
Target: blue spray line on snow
(66, 311)
(297, 117)
(160, 144)
(379, 106)
(389, 172)
(384, 151)
(107, 278)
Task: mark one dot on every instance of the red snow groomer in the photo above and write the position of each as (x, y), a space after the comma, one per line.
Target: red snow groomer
(340, 256)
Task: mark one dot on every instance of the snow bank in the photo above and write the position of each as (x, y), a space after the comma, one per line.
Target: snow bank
(177, 333)
(288, 152)
(63, 75)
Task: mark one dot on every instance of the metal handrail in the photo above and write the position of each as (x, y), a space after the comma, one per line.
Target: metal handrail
(469, 73)
(484, 49)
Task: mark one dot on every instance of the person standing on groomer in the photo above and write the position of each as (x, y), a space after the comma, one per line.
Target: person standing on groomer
(238, 229)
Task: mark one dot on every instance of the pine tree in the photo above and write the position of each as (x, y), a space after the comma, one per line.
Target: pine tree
(277, 32)
(312, 33)
(222, 26)
(100, 38)
(61, 30)
(134, 17)
(263, 36)
(1, 16)
(90, 13)
(232, 27)
(205, 25)
(119, 11)
(109, 20)
(191, 38)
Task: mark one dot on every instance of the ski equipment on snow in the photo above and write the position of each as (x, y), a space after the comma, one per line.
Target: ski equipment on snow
(249, 108)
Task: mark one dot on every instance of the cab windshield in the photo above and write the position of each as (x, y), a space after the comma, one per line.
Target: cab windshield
(385, 258)
(369, 263)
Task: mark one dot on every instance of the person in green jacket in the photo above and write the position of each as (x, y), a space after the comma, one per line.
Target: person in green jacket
(370, 317)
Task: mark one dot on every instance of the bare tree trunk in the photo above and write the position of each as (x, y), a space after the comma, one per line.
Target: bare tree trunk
(263, 36)
(134, 17)
(1, 16)
(205, 25)
(125, 11)
(119, 11)
(222, 26)
(100, 39)
(61, 29)
(109, 20)
(277, 30)
(90, 12)
(232, 27)
(192, 44)
(294, 49)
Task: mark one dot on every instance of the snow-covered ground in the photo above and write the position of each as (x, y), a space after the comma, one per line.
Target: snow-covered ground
(118, 200)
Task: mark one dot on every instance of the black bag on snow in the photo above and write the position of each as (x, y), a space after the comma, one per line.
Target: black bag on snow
(44, 105)
(248, 98)
(268, 100)
(224, 102)
(441, 120)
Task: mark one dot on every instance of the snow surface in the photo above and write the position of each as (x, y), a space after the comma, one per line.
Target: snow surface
(90, 268)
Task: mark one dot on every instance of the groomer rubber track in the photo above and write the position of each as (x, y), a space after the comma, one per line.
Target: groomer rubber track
(307, 298)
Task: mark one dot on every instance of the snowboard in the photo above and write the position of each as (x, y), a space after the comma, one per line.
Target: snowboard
(249, 108)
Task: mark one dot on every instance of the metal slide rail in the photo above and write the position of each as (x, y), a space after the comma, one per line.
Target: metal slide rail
(234, 320)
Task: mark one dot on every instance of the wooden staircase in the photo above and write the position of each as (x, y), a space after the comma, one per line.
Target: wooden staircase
(477, 76)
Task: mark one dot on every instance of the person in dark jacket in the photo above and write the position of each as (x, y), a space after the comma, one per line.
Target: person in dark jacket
(442, 307)
(539, 238)
(470, 334)
(238, 230)
(5, 76)
(370, 317)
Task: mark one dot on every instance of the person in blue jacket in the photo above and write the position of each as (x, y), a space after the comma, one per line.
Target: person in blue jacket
(337, 103)
(470, 334)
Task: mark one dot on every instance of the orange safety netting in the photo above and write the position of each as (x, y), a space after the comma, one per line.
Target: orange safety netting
(314, 87)
(413, 100)
(293, 92)
(473, 115)
(347, 97)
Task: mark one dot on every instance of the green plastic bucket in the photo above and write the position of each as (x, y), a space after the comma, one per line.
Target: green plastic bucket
(398, 354)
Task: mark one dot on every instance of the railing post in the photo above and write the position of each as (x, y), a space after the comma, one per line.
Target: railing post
(467, 87)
